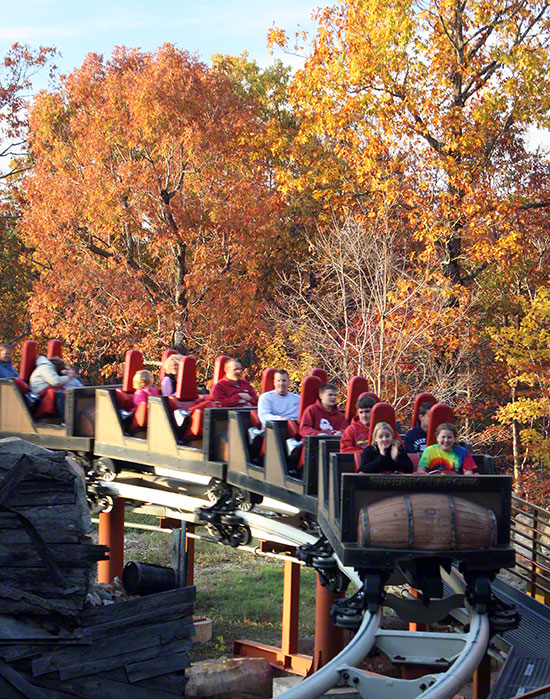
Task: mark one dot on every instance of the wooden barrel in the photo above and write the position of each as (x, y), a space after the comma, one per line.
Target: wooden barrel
(428, 522)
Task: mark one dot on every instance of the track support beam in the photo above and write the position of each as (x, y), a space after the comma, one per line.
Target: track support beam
(329, 639)
(111, 534)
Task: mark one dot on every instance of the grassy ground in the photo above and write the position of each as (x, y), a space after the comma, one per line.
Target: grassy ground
(240, 592)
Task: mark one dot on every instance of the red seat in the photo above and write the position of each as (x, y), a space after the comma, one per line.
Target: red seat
(309, 392)
(186, 385)
(383, 412)
(54, 349)
(357, 385)
(139, 421)
(28, 359)
(47, 404)
(23, 386)
(320, 373)
(268, 377)
(439, 413)
(219, 370)
(421, 398)
(133, 361)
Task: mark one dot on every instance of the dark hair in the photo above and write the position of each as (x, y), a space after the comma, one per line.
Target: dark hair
(365, 402)
(281, 371)
(327, 387)
(5, 346)
(58, 363)
(425, 408)
(446, 426)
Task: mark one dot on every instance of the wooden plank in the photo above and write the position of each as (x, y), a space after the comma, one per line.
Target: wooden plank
(99, 686)
(170, 683)
(15, 679)
(160, 634)
(14, 600)
(92, 667)
(34, 581)
(50, 536)
(65, 555)
(35, 498)
(53, 513)
(152, 606)
(183, 616)
(50, 521)
(158, 666)
(19, 651)
(25, 630)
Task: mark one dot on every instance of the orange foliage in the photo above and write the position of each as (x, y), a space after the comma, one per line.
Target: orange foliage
(148, 209)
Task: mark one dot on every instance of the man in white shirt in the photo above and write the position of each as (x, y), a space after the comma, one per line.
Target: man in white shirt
(279, 404)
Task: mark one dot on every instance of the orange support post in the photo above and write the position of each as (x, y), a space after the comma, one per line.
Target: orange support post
(291, 608)
(329, 639)
(481, 681)
(111, 534)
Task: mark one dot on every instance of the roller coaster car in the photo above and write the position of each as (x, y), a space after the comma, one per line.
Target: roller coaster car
(160, 442)
(273, 478)
(74, 432)
(370, 522)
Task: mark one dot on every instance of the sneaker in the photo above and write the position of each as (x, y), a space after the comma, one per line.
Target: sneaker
(253, 433)
(294, 455)
(292, 444)
(180, 416)
(256, 439)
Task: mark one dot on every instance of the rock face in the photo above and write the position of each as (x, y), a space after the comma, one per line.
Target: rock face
(47, 558)
(50, 644)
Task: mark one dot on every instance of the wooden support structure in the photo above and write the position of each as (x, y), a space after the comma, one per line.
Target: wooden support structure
(111, 534)
(183, 550)
(329, 639)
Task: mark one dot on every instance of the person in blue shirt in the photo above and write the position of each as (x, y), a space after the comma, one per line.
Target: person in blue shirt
(6, 368)
(415, 438)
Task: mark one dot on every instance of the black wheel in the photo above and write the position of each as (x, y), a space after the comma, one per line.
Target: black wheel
(216, 489)
(105, 468)
(243, 499)
(240, 536)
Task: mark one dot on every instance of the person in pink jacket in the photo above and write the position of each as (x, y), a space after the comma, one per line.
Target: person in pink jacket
(323, 417)
(143, 387)
(233, 390)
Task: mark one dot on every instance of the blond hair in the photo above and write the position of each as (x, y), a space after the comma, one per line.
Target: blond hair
(168, 362)
(142, 378)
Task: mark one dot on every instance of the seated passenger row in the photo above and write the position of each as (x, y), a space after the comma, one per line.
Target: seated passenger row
(367, 427)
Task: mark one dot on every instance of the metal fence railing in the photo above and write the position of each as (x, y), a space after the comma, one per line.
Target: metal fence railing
(530, 536)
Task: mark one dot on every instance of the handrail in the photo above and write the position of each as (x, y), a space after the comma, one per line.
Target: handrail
(528, 538)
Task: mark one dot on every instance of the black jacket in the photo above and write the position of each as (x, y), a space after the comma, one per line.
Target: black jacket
(372, 461)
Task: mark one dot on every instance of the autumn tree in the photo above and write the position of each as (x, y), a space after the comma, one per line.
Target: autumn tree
(17, 70)
(430, 100)
(354, 308)
(149, 210)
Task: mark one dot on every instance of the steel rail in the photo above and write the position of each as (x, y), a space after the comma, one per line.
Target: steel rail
(445, 685)
(329, 675)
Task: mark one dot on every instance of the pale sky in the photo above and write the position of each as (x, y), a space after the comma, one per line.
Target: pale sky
(77, 27)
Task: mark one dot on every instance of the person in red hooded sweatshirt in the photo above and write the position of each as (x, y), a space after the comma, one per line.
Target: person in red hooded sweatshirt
(356, 436)
(323, 417)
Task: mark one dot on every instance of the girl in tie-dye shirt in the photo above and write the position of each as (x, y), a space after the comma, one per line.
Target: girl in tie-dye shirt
(446, 456)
